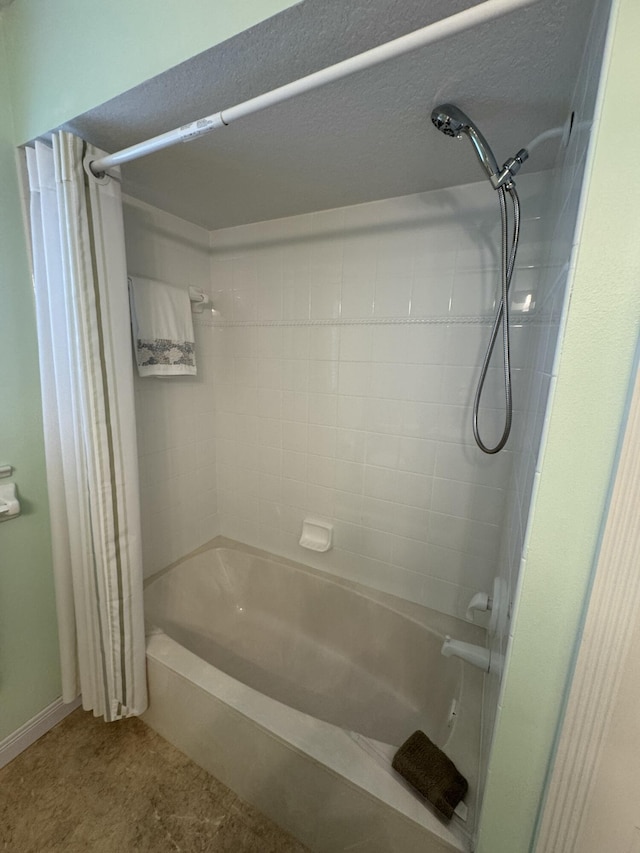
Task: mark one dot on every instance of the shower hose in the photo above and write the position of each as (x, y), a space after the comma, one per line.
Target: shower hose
(508, 258)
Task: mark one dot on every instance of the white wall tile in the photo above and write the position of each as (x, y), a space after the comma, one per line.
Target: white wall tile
(295, 406)
(294, 465)
(392, 296)
(294, 436)
(425, 344)
(382, 450)
(270, 461)
(270, 342)
(417, 455)
(410, 554)
(175, 418)
(324, 342)
(468, 500)
(295, 374)
(321, 471)
(391, 381)
(350, 445)
(366, 424)
(320, 500)
(420, 420)
(323, 377)
(348, 506)
(411, 522)
(376, 544)
(353, 378)
(378, 514)
(270, 433)
(269, 403)
(414, 489)
(323, 409)
(245, 305)
(431, 292)
(389, 344)
(357, 297)
(270, 373)
(325, 300)
(294, 493)
(270, 300)
(351, 412)
(475, 291)
(381, 483)
(296, 301)
(355, 343)
(349, 477)
(322, 440)
(347, 537)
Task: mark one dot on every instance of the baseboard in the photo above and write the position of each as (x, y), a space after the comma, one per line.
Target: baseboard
(34, 728)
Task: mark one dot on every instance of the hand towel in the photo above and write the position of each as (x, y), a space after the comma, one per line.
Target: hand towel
(162, 326)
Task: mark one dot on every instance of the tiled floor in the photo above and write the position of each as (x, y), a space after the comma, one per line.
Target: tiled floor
(92, 787)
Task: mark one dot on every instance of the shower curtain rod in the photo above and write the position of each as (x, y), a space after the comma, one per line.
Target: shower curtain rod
(472, 17)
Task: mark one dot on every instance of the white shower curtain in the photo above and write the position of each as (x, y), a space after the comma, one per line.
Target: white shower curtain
(89, 422)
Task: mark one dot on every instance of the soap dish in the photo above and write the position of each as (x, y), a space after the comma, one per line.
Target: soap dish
(316, 534)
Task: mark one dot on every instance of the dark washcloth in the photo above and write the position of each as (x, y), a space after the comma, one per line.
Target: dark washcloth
(430, 772)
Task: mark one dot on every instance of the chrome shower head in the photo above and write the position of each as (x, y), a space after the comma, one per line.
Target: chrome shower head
(451, 121)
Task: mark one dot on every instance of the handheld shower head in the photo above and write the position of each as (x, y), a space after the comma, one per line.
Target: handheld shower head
(451, 121)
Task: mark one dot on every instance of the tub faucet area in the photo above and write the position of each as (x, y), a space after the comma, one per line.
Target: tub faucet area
(478, 656)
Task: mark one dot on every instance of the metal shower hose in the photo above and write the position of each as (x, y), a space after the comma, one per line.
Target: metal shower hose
(508, 257)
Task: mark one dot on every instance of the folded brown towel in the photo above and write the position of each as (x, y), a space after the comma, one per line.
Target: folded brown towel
(430, 772)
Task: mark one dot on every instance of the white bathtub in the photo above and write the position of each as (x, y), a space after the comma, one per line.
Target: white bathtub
(295, 688)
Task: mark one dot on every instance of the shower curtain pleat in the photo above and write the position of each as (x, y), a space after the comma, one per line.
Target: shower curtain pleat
(89, 422)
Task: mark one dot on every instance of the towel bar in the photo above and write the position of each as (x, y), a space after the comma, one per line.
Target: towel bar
(200, 300)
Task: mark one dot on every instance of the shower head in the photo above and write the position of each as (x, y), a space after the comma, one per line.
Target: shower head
(453, 122)
(450, 120)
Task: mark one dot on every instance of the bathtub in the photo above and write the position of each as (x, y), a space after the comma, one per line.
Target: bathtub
(295, 688)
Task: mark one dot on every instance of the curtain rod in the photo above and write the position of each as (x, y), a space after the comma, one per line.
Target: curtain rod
(472, 17)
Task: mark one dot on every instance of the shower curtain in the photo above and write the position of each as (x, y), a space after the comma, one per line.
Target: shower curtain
(82, 313)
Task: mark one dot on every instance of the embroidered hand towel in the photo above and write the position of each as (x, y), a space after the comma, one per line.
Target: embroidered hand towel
(162, 326)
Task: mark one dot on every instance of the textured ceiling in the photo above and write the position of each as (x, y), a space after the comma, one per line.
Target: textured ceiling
(362, 138)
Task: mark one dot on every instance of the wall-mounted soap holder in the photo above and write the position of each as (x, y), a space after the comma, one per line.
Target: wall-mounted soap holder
(316, 534)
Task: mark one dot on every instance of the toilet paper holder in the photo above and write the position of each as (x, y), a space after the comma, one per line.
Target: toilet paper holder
(9, 503)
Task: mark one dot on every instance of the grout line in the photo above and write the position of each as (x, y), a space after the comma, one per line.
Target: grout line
(362, 321)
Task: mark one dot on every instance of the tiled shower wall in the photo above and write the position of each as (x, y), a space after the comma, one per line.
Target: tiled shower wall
(344, 361)
(175, 416)
(317, 397)
(553, 293)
